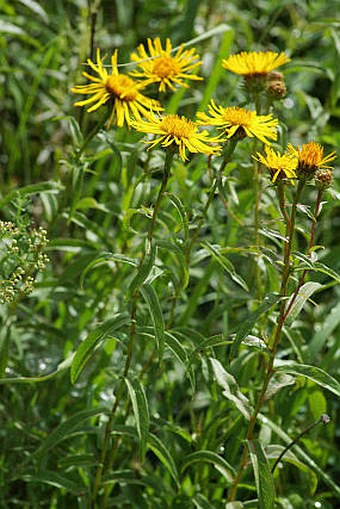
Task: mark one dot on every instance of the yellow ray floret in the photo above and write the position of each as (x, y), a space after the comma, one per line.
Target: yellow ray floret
(157, 65)
(180, 133)
(310, 156)
(121, 92)
(254, 63)
(280, 166)
(239, 122)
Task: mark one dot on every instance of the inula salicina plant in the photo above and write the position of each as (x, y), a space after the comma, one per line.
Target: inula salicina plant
(168, 295)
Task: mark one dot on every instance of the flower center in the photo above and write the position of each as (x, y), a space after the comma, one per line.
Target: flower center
(178, 127)
(164, 67)
(122, 87)
(238, 116)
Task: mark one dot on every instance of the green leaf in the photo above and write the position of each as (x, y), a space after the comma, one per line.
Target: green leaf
(330, 323)
(231, 389)
(179, 352)
(277, 382)
(315, 374)
(303, 295)
(323, 269)
(76, 134)
(66, 428)
(36, 8)
(144, 269)
(37, 379)
(151, 298)
(141, 412)
(57, 480)
(163, 454)
(181, 211)
(210, 457)
(246, 328)
(106, 258)
(263, 477)
(42, 187)
(226, 264)
(91, 343)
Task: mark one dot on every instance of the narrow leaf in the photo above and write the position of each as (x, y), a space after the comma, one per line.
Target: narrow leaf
(231, 389)
(144, 269)
(41, 187)
(163, 454)
(319, 339)
(91, 343)
(64, 430)
(305, 292)
(141, 412)
(37, 379)
(106, 257)
(151, 298)
(210, 457)
(318, 376)
(226, 264)
(57, 480)
(263, 477)
(246, 328)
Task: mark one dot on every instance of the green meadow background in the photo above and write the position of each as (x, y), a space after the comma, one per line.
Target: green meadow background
(175, 440)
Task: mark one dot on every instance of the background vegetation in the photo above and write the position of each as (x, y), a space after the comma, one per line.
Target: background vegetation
(175, 440)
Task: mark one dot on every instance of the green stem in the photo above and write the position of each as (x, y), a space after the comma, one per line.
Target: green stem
(310, 247)
(165, 178)
(216, 183)
(290, 229)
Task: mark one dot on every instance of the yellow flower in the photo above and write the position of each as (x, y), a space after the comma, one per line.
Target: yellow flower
(239, 123)
(178, 132)
(254, 63)
(119, 90)
(160, 67)
(310, 158)
(280, 166)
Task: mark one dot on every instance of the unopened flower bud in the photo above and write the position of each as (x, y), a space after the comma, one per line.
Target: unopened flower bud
(276, 87)
(323, 178)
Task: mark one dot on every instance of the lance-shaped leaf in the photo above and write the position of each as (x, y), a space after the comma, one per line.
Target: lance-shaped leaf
(318, 376)
(66, 428)
(263, 477)
(163, 454)
(93, 340)
(141, 412)
(231, 389)
(211, 457)
(305, 292)
(151, 298)
(247, 327)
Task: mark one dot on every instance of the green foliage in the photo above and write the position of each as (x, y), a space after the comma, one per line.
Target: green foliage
(147, 357)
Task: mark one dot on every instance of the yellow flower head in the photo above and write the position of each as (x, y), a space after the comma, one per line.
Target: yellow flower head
(119, 90)
(178, 132)
(310, 158)
(280, 166)
(158, 66)
(254, 63)
(239, 123)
